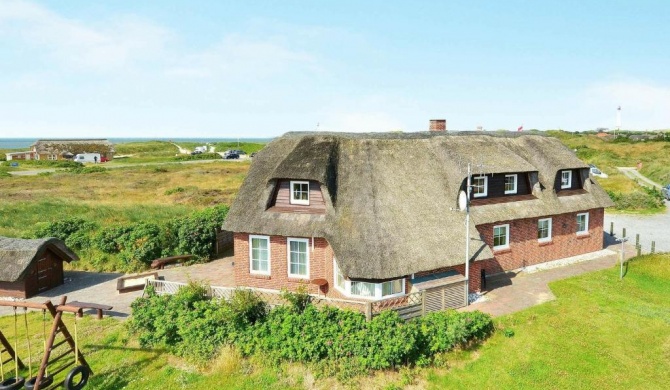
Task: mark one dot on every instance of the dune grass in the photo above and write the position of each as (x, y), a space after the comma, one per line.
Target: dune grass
(120, 195)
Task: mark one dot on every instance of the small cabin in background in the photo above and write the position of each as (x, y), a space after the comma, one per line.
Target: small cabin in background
(30, 267)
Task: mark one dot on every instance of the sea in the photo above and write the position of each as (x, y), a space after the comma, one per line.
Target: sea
(24, 143)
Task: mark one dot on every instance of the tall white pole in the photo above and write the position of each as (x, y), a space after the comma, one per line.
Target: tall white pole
(467, 240)
(618, 120)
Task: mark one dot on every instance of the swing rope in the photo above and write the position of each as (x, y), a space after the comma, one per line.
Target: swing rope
(2, 368)
(30, 353)
(76, 343)
(44, 338)
(16, 345)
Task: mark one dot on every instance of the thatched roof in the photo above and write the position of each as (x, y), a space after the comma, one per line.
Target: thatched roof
(391, 197)
(74, 146)
(17, 254)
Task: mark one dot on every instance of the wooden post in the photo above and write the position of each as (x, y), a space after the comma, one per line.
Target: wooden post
(653, 247)
(8, 347)
(423, 303)
(57, 326)
(368, 311)
(639, 250)
(624, 232)
(637, 239)
(611, 228)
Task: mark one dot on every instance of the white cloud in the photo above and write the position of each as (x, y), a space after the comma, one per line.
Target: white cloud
(644, 105)
(115, 43)
(236, 56)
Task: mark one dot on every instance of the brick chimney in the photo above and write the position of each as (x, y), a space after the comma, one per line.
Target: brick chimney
(438, 125)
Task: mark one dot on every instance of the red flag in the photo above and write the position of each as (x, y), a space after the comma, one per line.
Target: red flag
(520, 128)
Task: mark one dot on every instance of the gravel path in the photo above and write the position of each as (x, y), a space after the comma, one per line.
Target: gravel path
(633, 174)
(649, 227)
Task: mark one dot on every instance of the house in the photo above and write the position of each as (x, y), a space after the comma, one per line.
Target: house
(374, 216)
(27, 155)
(30, 267)
(62, 149)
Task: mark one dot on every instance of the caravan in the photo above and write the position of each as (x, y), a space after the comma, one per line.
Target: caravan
(88, 158)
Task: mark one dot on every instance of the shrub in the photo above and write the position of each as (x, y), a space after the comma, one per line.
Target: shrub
(637, 200)
(65, 228)
(298, 300)
(196, 234)
(338, 342)
(84, 170)
(201, 156)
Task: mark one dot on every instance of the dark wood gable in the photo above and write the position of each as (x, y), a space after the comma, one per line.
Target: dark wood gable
(281, 201)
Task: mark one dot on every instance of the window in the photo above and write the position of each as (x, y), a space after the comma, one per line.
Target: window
(501, 237)
(52, 157)
(298, 257)
(566, 179)
(367, 289)
(510, 184)
(340, 283)
(392, 287)
(479, 186)
(583, 223)
(300, 192)
(544, 230)
(259, 254)
(363, 289)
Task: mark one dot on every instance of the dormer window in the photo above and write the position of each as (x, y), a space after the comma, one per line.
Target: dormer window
(300, 192)
(566, 179)
(510, 184)
(479, 186)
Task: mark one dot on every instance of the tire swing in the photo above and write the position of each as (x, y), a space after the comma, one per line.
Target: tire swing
(16, 382)
(80, 370)
(47, 380)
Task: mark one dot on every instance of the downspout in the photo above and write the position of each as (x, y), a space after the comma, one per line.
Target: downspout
(467, 241)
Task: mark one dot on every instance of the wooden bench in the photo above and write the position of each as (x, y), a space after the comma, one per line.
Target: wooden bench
(137, 282)
(161, 263)
(87, 305)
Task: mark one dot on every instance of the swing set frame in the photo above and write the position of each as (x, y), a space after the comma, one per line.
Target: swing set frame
(58, 326)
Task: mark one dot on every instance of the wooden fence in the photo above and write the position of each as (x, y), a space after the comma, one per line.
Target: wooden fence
(408, 306)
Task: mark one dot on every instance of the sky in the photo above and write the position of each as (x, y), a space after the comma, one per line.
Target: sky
(81, 68)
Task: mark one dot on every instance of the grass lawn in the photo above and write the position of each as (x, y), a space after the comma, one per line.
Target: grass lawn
(600, 333)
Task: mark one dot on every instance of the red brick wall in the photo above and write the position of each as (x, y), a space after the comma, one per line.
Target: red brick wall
(320, 265)
(525, 250)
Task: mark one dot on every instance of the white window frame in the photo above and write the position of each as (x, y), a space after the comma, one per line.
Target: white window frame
(378, 289)
(507, 236)
(251, 259)
(548, 238)
(298, 201)
(288, 257)
(586, 224)
(569, 181)
(516, 180)
(486, 186)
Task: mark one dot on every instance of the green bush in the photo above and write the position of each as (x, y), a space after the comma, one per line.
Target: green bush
(74, 231)
(84, 170)
(195, 327)
(637, 200)
(196, 234)
(201, 156)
